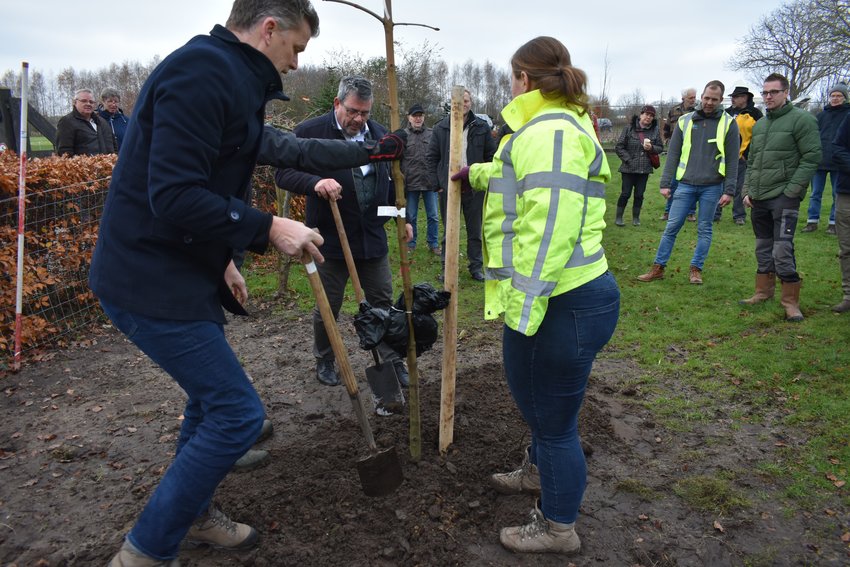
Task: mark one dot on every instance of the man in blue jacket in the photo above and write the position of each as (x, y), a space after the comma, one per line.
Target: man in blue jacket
(841, 156)
(162, 266)
(358, 192)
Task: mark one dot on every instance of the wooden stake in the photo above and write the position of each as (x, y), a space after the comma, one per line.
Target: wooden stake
(447, 391)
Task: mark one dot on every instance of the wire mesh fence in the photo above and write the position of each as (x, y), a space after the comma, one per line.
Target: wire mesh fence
(60, 231)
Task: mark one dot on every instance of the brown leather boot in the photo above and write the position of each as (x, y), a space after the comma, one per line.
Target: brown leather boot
(791, 301)
(765, 288)
(656, 272)
(695, 275)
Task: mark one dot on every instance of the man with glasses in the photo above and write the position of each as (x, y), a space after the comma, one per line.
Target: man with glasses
(358, 192)
(785, 151)
(82, 132)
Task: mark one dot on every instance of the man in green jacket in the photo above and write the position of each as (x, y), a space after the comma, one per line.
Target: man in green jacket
(784, 154)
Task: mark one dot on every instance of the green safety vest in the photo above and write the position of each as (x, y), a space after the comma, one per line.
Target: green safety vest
(720, 140)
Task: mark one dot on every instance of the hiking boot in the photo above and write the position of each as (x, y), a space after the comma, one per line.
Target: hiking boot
(695, 275)
(810, 227)
(664, 217)
(765, 288)
(692, 218)
(401, 373)
(524, 479)
(326, 373)
(477, 275)
(251, 460)
(842, 307)
(791, 301)
(831, 229)
(541, 536)
(214, 529)
(740, 222)
(654, 273)
(436, 250)
(129, 556)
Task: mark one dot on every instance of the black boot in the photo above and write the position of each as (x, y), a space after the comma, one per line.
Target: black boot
(619, 219)
(326, 373)
(635, 216)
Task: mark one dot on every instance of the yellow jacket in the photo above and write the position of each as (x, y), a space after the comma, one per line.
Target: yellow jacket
(543, 212)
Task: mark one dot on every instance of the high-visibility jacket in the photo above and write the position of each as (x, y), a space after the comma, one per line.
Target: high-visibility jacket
(723, 125)
(543, 211)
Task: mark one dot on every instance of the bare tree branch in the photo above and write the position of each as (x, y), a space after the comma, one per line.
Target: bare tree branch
(799, 40)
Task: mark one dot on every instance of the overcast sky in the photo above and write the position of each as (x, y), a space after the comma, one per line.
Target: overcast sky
(659, 47)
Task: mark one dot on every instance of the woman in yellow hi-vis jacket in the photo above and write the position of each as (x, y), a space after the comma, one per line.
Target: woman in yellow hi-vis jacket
(547, 273)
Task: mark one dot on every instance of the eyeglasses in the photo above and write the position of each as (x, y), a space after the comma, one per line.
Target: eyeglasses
(85, 101)
(352, 113)
(772, 93)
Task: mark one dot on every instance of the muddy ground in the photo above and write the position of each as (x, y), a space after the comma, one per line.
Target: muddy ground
(87, 432)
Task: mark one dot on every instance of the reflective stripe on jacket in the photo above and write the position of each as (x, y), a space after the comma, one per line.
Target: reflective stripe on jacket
(543, 212)
(723, 125)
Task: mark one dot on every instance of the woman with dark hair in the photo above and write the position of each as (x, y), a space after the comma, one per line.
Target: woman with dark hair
(547, 273)
(638, 146)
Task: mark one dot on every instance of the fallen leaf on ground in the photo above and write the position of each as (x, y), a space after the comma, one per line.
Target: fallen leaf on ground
(719, 527)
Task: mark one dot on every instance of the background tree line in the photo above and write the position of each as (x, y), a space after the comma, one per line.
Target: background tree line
(806, 40)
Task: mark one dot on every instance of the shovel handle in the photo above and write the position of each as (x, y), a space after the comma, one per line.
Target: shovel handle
(338, 347)
(346, 251)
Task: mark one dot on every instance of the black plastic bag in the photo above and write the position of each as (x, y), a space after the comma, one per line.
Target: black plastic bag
(390, 325)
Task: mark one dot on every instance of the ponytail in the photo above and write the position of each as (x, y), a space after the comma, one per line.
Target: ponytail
(548, 65)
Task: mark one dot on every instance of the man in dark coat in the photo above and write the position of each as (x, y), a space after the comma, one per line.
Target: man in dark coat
(162, 266)
(110, 110)
(417, 177)
(829, 120)
(358, 192)
(840, 149)
(480, 147)
(82, 132)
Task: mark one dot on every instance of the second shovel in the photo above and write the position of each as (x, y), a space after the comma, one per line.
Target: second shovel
(382, 379)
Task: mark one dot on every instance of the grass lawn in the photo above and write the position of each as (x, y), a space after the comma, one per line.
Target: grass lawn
(745, 363)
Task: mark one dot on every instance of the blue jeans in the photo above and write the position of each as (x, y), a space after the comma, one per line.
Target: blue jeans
(222, 419)
(684, 200)
(431, 214)
(673, 185)
(547, 374)
(818, 185)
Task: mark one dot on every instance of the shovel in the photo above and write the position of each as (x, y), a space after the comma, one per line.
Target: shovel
(380, 472)
(382, 379)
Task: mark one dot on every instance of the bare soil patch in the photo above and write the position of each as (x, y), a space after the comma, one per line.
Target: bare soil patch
(86, 435)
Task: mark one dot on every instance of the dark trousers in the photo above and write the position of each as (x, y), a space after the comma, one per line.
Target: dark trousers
(774, 223)
(377, 281)
(636, 181)
(472, 207)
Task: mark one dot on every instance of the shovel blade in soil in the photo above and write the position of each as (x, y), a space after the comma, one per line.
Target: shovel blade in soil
(380, 473)
(386, 390)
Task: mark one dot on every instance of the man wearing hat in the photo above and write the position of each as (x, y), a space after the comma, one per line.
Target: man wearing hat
(417, 178)
(701, 157)
(828, 122)
(746, 115)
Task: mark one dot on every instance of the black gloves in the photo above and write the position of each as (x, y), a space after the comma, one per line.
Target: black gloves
(388, 148)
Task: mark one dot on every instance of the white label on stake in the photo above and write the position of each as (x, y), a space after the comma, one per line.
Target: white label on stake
(311, 267)
(391, 212)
